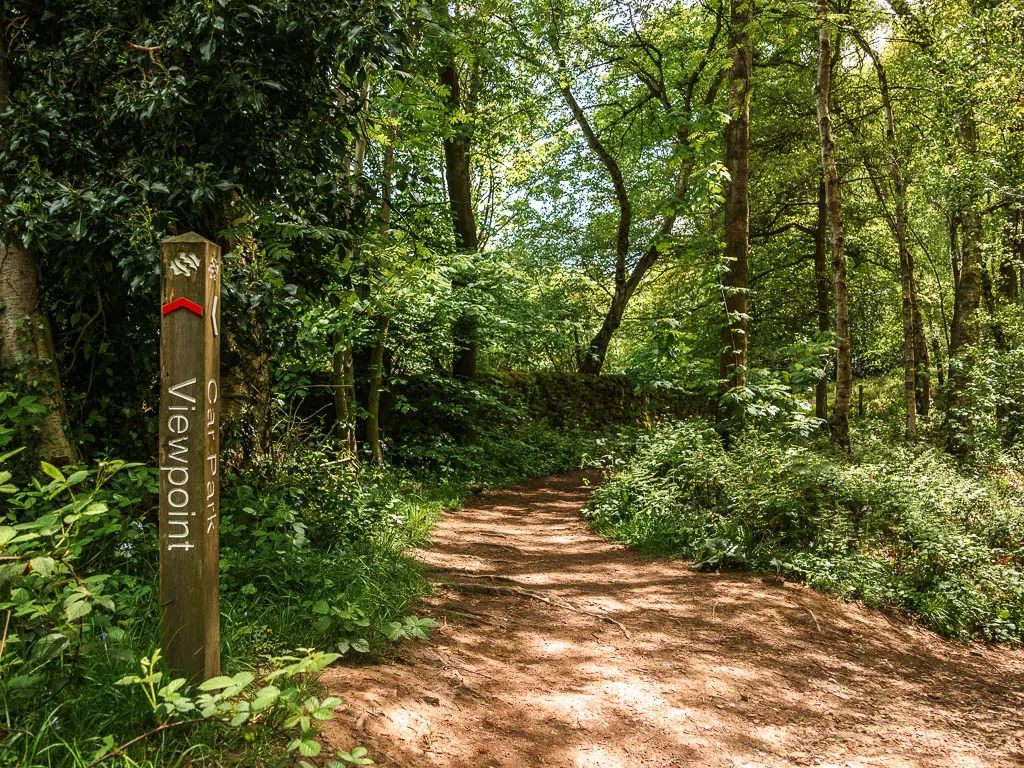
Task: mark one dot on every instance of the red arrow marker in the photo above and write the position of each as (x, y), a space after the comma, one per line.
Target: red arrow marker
(191, 306)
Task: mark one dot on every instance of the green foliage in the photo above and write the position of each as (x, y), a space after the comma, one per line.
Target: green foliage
(282, 701)
(78, 587)
(522, 424)
(306, 137)
(57, 617)
(893, 525)
(20, 418)
(994, 402)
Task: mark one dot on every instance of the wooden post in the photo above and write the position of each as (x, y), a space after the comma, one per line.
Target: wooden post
(189, 445)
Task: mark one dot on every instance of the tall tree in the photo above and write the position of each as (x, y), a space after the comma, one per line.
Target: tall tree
(954, 60)
(821, 281)
(383, 320)
(897, 220)
(833, 204)
(965, 330)
(736, 277)
(459, 181)
(645, 62)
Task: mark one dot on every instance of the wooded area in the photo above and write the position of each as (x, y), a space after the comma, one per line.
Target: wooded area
(759, 261)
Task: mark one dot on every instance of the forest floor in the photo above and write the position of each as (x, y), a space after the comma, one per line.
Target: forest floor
(558, 648)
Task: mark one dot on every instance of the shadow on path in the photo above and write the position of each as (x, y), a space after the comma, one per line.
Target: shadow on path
(696, 669)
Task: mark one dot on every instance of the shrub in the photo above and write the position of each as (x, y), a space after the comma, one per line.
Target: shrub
(78, 607)
(892, 525)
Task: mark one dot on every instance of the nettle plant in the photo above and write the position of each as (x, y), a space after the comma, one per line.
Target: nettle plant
(350, 624)
(283, 701)
(53, 615)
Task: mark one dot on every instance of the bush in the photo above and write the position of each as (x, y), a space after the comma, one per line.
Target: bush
(892, 525)
(310, 559)
(510, 453)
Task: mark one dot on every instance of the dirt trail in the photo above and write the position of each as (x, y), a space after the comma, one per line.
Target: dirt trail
(716, 670)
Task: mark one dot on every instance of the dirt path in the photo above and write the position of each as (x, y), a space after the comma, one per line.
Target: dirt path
(699, 670)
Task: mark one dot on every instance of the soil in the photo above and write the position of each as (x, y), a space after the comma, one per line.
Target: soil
(558, 648)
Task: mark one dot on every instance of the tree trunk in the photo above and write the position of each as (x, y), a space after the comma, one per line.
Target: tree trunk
(988, 293)
(27, 340)
(833, 203)
(373, 394)
(350, 361)
(898, 224)
(732, 370)
(344, 395)
(376, 368)
(921, 359)
(594, 357)
(1008, 290)
(1013, 281)
(28, 346)
(955, 258)
(247, 380)
(460, 199)
(965, 332)
(821, 281)
(910, 346)
(939, 367)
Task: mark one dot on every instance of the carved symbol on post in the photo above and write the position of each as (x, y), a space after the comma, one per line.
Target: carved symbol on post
(214, 314)
(191, 306)
(185, 264)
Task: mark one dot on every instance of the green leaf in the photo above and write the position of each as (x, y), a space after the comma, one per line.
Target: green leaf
(11, 454)
(53, 472)
(242, 679)
(216, 683)
(266, 698)
(78, 609)
(42, 565)
(171, 687)
(77, 477)
(309, 748)
(105, 747)
(239, 719)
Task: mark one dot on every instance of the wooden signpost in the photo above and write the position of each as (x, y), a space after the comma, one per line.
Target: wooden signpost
(189, 445)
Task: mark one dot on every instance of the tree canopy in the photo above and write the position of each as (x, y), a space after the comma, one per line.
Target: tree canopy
(462, 238)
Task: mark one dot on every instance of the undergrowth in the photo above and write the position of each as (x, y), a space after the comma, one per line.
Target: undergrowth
(313, 568)
(893, 525)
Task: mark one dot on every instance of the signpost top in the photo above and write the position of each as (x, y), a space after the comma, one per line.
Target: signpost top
(188, 237)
